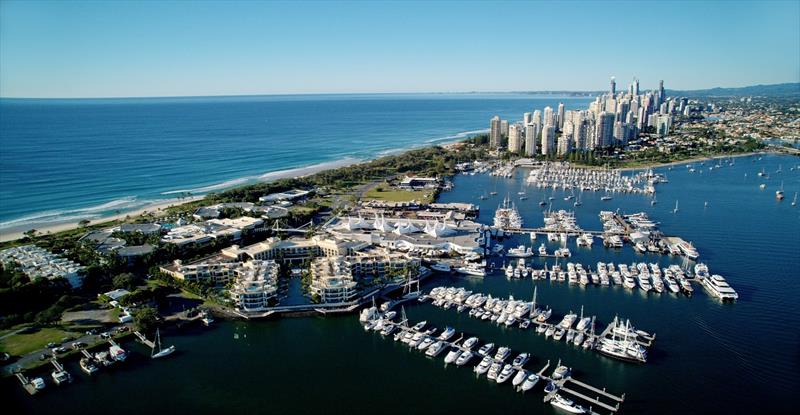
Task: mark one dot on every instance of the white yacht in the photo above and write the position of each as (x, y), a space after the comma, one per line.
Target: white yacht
(472, 269)
(624, 349)
(441, 267)
(425, 343)
(568, 321)
(521, 359)
(435, 349)
(486, 349)
(447, 333)
(502, 353)
(689, 250)
(484, 365)
(117, 353)
(563, 403)
(452, 355)
(530, 382)
(718, 287)
(464, 358)
(542, 250)
(520, 252)
(507, 216)
(470, 343)
(494, 370)
(520, 377)
(88, 366)
(505, 374)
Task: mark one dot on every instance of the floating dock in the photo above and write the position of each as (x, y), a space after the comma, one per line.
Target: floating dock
(563, 385)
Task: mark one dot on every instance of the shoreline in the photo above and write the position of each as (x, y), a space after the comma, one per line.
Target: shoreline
(691, 160)
(18, 232)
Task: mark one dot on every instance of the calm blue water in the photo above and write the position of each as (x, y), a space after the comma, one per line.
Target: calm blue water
(709, 358)
(64, 160)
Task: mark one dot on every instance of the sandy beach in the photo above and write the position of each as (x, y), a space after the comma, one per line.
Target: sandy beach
(158, 207)
(59, 227)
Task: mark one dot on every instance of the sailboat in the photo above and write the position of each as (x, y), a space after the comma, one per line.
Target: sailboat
(407, 293)
(794, 201)
(577, 201)
(779, 193)
(676, 207)
(161, 352)
(606, 197)
(654, 201)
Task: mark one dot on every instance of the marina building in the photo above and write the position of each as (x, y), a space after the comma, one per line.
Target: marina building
(293, 250)
(36, 262)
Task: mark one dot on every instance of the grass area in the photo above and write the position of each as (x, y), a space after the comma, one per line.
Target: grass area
(399, 195)
(20, 344)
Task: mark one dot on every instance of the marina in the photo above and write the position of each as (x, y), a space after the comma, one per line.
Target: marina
(579, 330)
(731, 254)
(423, 337)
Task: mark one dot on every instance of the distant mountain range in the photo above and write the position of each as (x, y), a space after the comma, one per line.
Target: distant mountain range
(774, 90)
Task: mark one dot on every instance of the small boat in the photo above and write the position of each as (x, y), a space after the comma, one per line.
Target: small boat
(425, 343)
(88, 366)
(60, 376)
(38, 383)
(419, 326)
(561, 372)
(551, 387)
(563, 403)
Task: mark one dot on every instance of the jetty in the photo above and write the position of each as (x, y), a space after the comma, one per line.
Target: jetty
(144, 340)
(26, 383)
(568, 384)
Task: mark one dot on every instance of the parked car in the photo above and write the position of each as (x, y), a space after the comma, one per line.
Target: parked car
(91, 332)
(78, 345)
(105, 335)
(52, 345)
(60, 349)
(44, 356)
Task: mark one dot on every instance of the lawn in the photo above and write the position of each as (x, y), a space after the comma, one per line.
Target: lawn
(399, 195)
(21, 344)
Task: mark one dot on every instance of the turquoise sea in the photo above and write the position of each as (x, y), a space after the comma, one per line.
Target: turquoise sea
(66, 160)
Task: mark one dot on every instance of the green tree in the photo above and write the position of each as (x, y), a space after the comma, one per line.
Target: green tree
(125, 280)
(145, 319)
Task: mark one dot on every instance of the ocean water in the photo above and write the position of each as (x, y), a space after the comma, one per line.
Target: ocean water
(708, 358)
(66, 160)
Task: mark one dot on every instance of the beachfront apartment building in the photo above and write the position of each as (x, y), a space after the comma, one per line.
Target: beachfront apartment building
(36, 262)
(256, 284)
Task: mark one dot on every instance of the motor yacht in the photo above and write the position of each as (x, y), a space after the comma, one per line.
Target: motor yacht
(718, 287)
(520, 252)
(452, 355)
(566, 404)
(87, 365)
(521, 359)
(447, 333)
(470, 343)
(494, 370)
(502, 353)
(486, 349)
(425, 343)
(529, 382)
(561, 372)
(505, 374)
(484, 365)
(435, 349)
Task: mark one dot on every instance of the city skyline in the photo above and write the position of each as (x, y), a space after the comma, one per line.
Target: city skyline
(122, 49)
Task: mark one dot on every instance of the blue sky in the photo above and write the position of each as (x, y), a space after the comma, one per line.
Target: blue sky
(111, 49)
